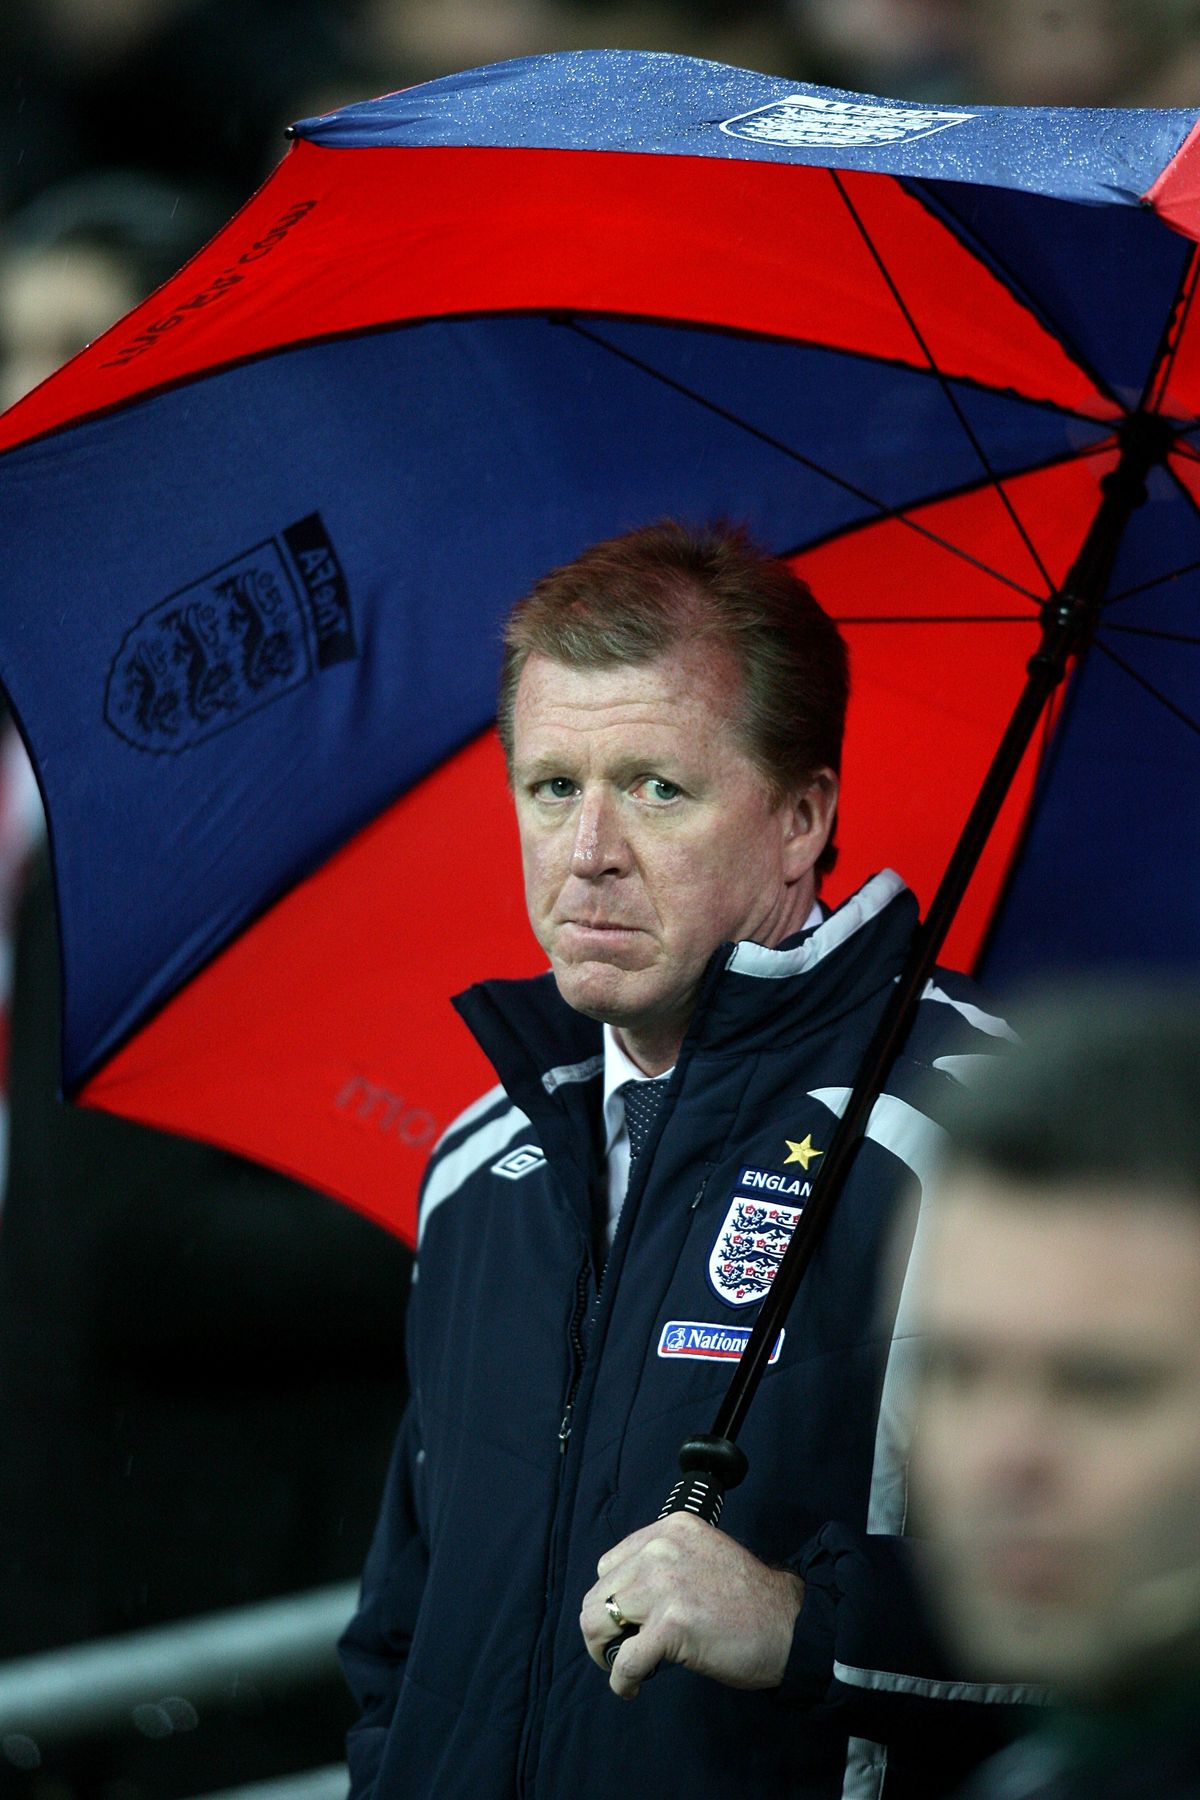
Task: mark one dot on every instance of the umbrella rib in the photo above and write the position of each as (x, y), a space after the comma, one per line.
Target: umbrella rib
(939, 207)
(1148, 686)
(935, 618)
(1171, 574)
(765, 437)
(942, 381)
(805, 548)
(1144, 587)
(1164, 360)
(1058, 408)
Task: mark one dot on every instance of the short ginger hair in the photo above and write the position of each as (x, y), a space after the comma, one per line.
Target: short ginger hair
(634, 598)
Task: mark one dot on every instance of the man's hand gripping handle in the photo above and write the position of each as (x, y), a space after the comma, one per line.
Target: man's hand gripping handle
(711, 1466)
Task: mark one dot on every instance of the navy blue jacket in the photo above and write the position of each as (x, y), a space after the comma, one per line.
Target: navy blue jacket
(551, 1393)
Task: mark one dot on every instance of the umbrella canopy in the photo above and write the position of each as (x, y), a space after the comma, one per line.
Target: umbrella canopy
(260, 538)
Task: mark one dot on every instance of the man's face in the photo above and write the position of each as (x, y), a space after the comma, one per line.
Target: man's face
(648, 837)
(1057, 1454)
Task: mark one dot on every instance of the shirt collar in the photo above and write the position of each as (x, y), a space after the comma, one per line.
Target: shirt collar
(620, 1068)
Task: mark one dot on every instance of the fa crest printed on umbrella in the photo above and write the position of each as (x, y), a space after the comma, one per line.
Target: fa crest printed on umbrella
(242, 636)
(475, 326)
(810, 122)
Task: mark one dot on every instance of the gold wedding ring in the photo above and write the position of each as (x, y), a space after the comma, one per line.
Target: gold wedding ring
(614, 1612)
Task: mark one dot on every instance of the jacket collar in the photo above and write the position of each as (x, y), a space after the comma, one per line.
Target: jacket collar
(759, 998)
(750, 997)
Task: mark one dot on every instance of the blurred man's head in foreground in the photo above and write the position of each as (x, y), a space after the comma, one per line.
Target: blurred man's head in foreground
(1057, 1460)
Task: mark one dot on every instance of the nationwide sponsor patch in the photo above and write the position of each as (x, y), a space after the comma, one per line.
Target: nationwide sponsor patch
(521, 1161)
(707, 1343)
(755, 1232)
(811, 122)
(238, 638)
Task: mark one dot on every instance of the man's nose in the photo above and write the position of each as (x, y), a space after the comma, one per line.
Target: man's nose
(599, 847)
(1017, 1446)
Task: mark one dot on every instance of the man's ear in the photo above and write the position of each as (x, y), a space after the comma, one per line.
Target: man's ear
(807, 822)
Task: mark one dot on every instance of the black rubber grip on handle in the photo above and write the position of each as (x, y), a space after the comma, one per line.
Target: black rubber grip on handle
(711, 1466)
(702, 1495)
(614, 1644)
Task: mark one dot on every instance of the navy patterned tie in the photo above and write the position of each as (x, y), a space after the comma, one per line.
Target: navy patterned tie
(642, 1101)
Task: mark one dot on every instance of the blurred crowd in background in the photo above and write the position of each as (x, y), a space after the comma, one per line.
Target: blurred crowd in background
(144, 122)
(201, 1366)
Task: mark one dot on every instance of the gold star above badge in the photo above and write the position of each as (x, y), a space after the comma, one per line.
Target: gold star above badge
(802, 1153)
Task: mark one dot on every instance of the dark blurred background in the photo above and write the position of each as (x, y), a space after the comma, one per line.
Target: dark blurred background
(201, 1365)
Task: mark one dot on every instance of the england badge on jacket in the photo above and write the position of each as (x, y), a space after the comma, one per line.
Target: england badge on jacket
(755, 1233)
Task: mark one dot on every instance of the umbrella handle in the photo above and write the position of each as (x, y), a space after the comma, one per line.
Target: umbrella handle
(711, 1466)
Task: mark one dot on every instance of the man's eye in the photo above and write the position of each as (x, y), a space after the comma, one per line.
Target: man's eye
(654, 788)
(948, 1366)
(555, 787)
(1109, 1386)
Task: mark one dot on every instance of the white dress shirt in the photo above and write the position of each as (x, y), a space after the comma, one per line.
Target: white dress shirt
(618, 1069)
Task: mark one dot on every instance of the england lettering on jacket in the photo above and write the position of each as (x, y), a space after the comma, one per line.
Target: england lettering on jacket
(773, 1182)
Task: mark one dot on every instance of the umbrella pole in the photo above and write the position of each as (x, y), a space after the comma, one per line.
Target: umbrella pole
(712, 1462)
(1069, 619)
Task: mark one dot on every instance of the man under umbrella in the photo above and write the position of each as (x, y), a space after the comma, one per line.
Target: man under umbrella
(597, 1231)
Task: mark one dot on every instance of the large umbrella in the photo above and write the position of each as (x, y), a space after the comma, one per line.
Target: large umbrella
(259, 539)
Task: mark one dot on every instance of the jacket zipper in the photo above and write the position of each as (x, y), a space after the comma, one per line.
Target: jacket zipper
(526, 1773)
(530, 1754)
(577, 1355)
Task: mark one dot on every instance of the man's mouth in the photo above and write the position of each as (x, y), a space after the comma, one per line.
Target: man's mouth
(1029, 1570)
(598, 931)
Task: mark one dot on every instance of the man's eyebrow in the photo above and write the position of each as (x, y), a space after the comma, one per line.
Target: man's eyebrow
(539, 765)
(545, 762)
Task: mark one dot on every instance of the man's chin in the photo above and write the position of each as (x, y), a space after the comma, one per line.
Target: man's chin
(1061, 1648)
(600, 990)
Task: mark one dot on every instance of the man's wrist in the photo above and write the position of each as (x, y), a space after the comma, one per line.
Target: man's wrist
(792, 1599)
